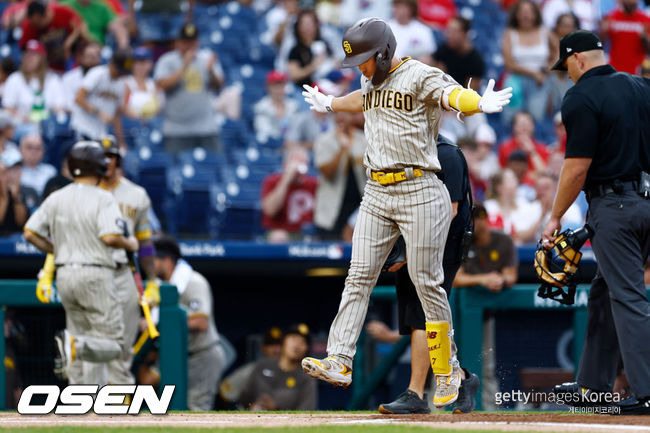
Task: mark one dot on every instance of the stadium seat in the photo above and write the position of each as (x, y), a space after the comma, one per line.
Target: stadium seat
(153, 176)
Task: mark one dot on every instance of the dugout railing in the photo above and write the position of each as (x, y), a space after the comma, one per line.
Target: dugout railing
(172, 345)
(468, 306)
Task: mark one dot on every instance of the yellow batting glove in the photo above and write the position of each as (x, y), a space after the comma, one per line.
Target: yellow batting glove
(152, 293)
(44, 290)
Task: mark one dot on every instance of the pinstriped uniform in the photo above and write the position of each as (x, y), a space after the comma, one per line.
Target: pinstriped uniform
(401, 123)
(75, 218)
(134, 203)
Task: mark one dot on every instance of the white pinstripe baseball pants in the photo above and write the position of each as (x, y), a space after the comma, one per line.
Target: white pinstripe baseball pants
(94, 318)
(419, 209)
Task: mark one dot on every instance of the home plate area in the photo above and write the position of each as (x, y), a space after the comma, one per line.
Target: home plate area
(538, 422)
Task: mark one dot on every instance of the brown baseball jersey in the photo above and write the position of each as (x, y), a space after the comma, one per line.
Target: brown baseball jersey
(75, 218)
(134, 203)
(402, 115)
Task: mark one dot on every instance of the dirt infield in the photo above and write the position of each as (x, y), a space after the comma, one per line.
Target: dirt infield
(549, 422)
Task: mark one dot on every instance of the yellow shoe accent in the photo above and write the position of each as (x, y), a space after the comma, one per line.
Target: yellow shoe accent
(330, 370)
(447, 388)
(73, 349)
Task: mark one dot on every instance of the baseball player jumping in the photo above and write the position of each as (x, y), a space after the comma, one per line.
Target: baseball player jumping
(402, 101)
(80, 225)
(134, 203)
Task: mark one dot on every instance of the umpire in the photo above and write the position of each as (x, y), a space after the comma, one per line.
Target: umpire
(607, 119)
(411, 316)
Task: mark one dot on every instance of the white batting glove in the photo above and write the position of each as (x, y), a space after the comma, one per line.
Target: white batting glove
(318, 101)
(493, 102)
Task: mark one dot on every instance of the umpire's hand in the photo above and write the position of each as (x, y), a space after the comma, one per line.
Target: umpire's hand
(550, 232)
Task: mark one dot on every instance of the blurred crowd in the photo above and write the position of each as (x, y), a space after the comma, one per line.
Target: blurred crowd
(98, 65)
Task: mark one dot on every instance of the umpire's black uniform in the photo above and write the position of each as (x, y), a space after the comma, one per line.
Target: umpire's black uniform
(456, 179)
(607, 118)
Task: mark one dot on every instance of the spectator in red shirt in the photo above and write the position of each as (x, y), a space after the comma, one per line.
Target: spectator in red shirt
(14, 14)
(436, 13)
(288, 198)
(627, 29)
(55, 26)
(523, 129)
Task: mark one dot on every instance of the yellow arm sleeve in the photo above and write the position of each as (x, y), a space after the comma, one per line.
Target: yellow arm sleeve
(464, 100)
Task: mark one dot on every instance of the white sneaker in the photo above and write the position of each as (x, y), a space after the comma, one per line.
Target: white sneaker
(447, 388)
(64, 354)
(330, 369)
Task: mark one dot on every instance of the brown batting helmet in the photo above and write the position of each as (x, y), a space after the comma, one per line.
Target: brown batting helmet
(86, 158)
(367, 38)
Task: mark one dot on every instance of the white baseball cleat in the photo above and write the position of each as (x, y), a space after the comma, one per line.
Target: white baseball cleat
(64, 354)
(330, 369)
(447, 387)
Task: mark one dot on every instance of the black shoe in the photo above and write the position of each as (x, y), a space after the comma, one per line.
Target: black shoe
(579, 396)
(407, 402)
(632, 406)
(466, 394)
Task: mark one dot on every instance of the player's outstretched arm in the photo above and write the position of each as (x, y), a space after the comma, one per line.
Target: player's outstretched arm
(350, 103)
(468, 101)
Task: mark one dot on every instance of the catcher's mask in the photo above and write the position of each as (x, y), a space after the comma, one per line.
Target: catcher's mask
(556, 267)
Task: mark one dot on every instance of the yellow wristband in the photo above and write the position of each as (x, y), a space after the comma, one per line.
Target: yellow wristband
(464, 100)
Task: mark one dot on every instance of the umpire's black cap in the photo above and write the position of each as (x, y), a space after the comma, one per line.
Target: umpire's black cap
(576, 42)
(86, 158)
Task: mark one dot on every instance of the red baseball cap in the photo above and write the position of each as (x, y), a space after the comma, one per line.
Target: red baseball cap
(35, 47)
(275, 77)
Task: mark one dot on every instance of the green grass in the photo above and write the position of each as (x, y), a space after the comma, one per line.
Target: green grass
(319, 429)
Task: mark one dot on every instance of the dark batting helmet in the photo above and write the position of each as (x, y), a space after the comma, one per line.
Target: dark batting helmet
(110, 146)
(367, 38)
(86, 158)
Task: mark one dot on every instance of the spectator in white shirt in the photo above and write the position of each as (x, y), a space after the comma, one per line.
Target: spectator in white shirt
(143, 98)
(486, 159)
(100, 99)
(7, 67)
(414, 39)
(35, 173)
(584, 10)
(32, 92)
(274, 112)
(89, 56)
(545, 187)
(507, 211)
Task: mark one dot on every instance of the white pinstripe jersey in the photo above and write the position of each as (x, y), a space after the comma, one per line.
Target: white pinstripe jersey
(402, 116)
(75, 218)
(134, 204)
